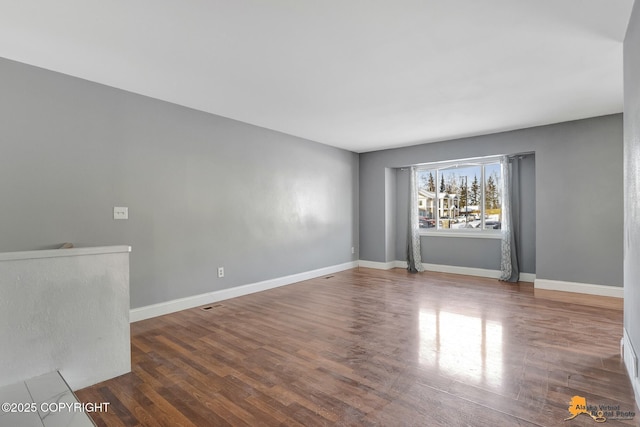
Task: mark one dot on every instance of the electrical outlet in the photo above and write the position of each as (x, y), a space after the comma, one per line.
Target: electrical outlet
(353, 250)
(220, 272)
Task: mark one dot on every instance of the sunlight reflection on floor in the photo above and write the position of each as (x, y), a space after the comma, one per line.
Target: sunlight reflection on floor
(466, 347)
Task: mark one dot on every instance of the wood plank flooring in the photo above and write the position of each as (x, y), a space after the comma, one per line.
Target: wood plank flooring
(373, 348)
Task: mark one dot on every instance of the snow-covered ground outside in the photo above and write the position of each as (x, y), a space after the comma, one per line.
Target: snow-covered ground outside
(462, 222)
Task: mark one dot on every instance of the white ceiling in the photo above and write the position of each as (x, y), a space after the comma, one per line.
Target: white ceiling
(360, 75)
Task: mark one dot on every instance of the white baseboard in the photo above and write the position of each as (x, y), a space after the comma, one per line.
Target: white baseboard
(528, 277)
(631, 364)
(468, 271)
(434, 267)
(377, 265)
(581, 288)
(172, 306)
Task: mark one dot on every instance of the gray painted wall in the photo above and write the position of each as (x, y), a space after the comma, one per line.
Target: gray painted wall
(202, 191)
(373, 222)
(391, 209)
(527, 243)
(578, 238)
(632, 184)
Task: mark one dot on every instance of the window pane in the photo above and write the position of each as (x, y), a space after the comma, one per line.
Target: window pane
(426, 198)
(463, 197)
(448, 189)
(493, 196)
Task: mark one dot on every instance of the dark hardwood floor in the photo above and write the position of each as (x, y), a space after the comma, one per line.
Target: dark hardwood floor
(370, 347)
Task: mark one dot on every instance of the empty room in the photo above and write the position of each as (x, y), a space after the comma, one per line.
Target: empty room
(320, 213)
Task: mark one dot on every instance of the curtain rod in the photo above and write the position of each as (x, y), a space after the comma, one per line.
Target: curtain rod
(511, 156)
(521, 154)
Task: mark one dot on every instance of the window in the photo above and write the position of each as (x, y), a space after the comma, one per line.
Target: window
(463, 196)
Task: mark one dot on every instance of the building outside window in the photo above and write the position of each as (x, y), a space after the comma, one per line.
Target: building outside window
(460, 195)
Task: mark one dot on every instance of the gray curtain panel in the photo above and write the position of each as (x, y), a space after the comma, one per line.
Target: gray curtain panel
(509, 264)
(414, 258)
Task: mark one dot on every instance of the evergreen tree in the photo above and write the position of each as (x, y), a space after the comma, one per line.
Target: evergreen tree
(462, 194)
(431, 185)
(475, 192)
(491, 194)
(442, 186)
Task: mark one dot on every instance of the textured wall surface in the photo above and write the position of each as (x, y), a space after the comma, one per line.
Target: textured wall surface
(66, 310)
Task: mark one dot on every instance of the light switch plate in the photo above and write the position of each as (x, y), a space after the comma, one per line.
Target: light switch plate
(120, 212)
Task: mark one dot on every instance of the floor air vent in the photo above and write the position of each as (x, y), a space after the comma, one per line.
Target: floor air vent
(211, 307)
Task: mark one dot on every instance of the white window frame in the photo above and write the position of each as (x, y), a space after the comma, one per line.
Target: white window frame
(481, 232)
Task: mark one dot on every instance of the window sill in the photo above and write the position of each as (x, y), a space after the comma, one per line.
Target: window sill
(472, 234)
